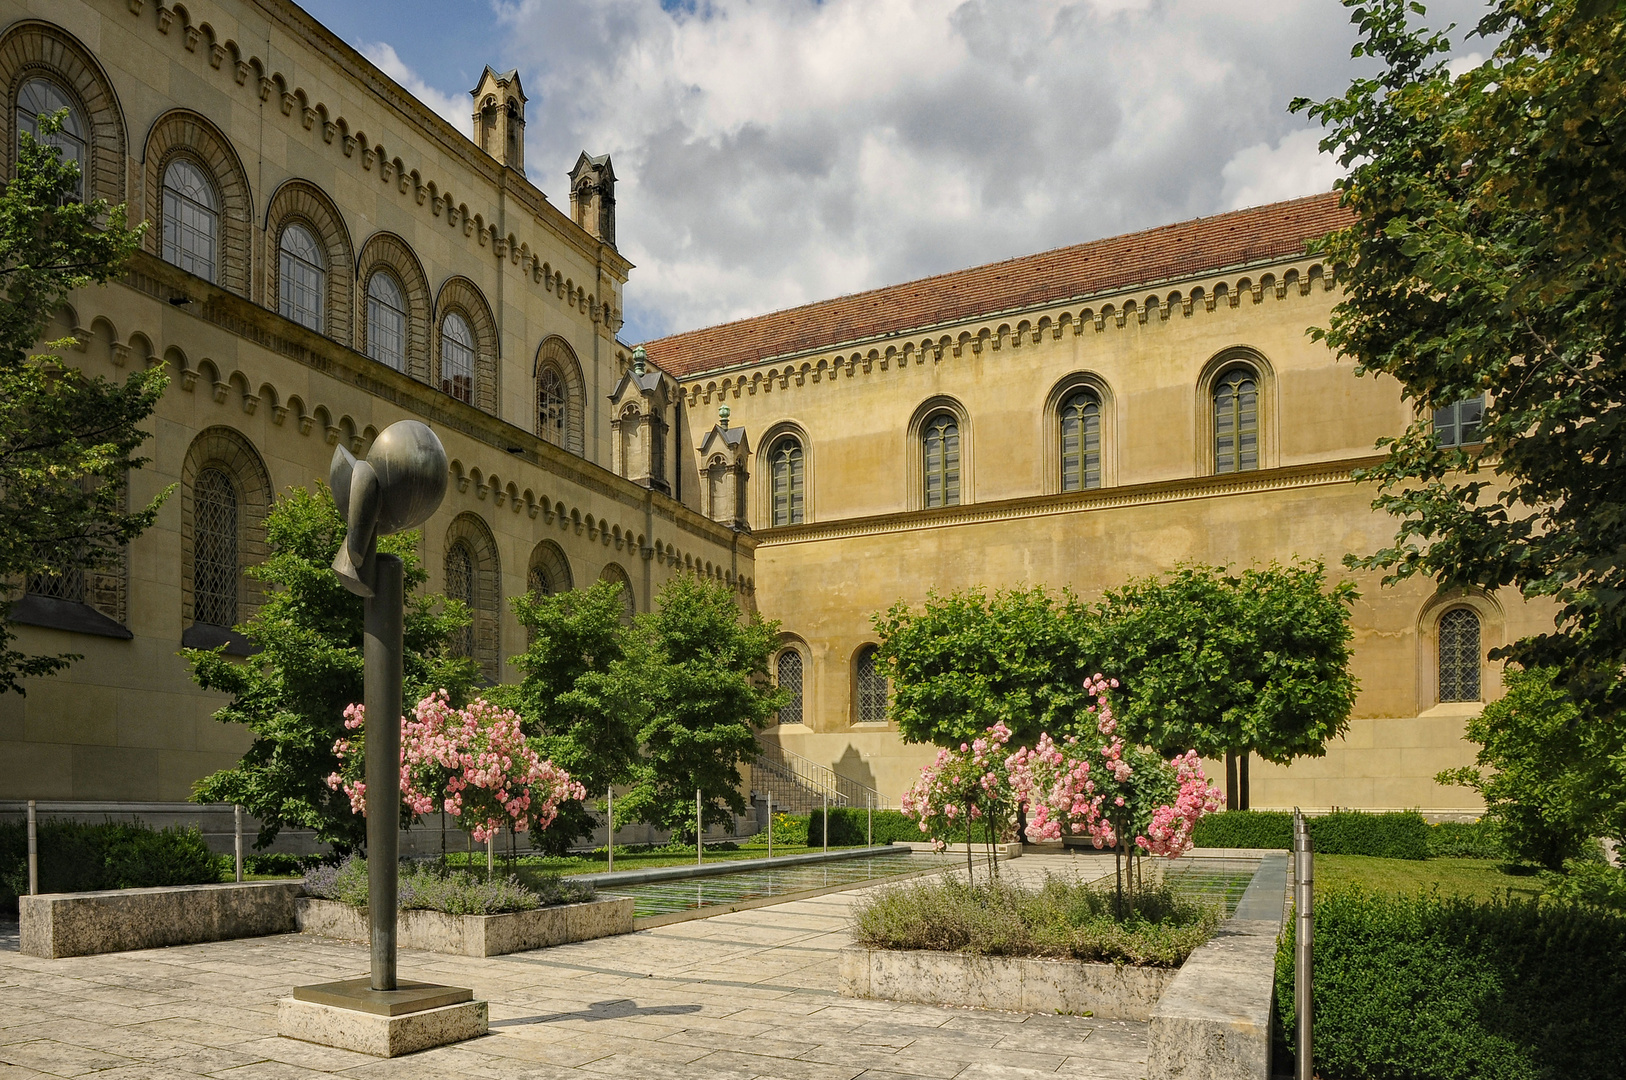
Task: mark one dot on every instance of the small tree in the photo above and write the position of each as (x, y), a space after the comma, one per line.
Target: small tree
(293, 692)
(702, 671)
(1232, 664)
(67, 439)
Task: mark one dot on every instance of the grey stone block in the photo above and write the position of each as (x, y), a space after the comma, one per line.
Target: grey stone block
(381, 1036)
(475, 935)
(117, 920)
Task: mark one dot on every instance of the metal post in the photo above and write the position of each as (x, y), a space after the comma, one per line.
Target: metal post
(382, 656)
(609, 826)
(770, 824)
(1303, 942)
(699, 832)
(869, 822)
(491, 855)
(33, 852)
(826, 829)
(237, 818)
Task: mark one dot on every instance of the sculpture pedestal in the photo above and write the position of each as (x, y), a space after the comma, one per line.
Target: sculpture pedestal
(351, 1015)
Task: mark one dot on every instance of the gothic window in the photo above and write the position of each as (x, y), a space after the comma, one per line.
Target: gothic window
(460, 585)
(552, 407)
(1081, 442)
(39, 97)
(457, 358)
(1236, 421)
(1459, 655)
(191, 219)
(386, 320)
(1458, 423)
(940, 445)
(869, 687)
(215, 562)
(788, 480)
(788, 673)
(302, 277)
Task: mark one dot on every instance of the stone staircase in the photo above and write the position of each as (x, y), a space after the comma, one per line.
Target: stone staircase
(800, 785)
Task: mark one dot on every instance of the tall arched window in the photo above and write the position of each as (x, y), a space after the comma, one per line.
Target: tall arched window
(301, 277)
(460, 586)
(788, 674)
(457, 358)
(386, 320)
(614, 573)
(552, 407)
(1236, 421)
(1081, 442)
(39, 97)
(1459, 655)
(869, 687)
(191, 219)
(788, 482)
(940, 447)
(215, 562)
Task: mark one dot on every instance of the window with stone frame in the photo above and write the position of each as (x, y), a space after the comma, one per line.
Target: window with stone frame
(869, 689)
(787, 480)
(191, 219)
(457, 358)
(301, 277)
(788, 675)
(41, 97)
(1458, 423)
(1236, 421)
(1081, 442)
(940, 449)
(1460, 655)
(460, 585)
(216, 559)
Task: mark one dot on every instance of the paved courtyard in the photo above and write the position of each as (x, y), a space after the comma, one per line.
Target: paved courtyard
(733, 997)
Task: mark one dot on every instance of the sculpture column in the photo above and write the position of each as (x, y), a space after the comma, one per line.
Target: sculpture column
(382, 653)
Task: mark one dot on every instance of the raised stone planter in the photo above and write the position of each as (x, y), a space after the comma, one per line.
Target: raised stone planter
(474, 935)
(117, 920)
(1013, 983)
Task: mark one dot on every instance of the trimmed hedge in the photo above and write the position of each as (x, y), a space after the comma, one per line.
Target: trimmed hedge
(848, 825)
(1347, 832)
(75, 857)
(1431, 988)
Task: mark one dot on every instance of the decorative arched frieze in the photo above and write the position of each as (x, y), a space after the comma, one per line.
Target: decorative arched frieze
(389, 253)
(33, 49)
(460, 296)
(300, 201)
(182, 133)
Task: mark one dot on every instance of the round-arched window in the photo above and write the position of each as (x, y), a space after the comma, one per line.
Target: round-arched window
(1236, 421)
(215, 562)
(788, 481)
(386, 320)
(552, 407)
(940, 448)
(457, 358)
(460, 586)
(191, 219)
(302, 277)
(1081, 442)
(788, 674)
(869, 687)
(1459, 655)
(41, 97)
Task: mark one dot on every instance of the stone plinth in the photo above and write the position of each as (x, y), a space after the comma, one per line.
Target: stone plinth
(117, 920)
(389, 1023)
(475, 935)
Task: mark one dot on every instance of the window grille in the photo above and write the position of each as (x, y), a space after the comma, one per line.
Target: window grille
(788, 479)
(789, 672)
(1236, 422)
(386, 321)
(302, 279)
(1459, 655)
(67, 586)
(871, 687)
(191, 219)
(941, 445)
(214, 549)
(460, 586)
(1081, 442)
(552, 408)
(38, 97)
(537, 582)
(1458, 423)
(457, 358)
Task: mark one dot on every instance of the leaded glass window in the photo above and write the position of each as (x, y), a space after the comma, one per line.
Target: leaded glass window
(460, 586)
(302, 277)
(941, 448)
(67, 586)
(215, 564)
(191, 219)
(39, 97)
(1081, 442)
(1458, 423)
(789, 676)
(1459, 655)
(538, 582)
(457, 358)
(1236, 422)
(386, 321)
(871, 687)
(788, 482)
(552, 407)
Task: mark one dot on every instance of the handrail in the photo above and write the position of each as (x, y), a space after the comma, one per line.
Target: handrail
(818, 778)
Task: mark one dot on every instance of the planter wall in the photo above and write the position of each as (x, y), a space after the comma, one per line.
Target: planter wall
(474, 935)
(116, 920)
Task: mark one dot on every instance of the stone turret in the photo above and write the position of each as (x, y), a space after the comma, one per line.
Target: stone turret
(725, 457)
(638, 425)
(592, 196)
(499, 117)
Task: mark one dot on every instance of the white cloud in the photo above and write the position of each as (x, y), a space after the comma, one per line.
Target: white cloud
(1262, 173)
(454, 108)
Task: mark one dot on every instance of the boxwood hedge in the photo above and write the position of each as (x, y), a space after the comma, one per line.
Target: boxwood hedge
(1346, 832)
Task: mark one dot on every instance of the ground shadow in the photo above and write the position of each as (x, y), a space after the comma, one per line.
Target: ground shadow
(602, 1010)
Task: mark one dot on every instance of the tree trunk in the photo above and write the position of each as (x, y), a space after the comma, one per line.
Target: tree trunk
(1242, 780)
(1232, 801)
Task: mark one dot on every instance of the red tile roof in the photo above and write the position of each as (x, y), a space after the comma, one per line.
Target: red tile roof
(1260, 234)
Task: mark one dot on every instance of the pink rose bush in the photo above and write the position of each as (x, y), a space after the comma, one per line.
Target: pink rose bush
(473, 763)
(962, 788)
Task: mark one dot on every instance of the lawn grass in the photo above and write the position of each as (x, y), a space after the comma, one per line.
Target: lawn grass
(1477, 879)
(595, 862)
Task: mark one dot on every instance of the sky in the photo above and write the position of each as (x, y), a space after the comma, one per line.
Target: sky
(770, 153)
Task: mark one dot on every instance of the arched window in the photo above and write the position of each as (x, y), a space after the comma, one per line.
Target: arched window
(716, 486)
(869, 689)
(386, 320)
(788, 674)
(191, 219)
(39, 97)
(940, 446)
(788, 482)
(1081, 442)
(215, 562)
(457, 358)
(1459, 655)
(1236, 421)
(460, 586)
(302, 277)
(614, 573)
(552, 407)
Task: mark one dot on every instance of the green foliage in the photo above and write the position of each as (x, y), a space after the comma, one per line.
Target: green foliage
(67, 439)
(1550, 778)
(1488, 257)
(293, 692)
(581, 710)
(427, 887)
(1245, 829)
(1466, 840)
(1218, 662)
(1425, 988)
(1586, 881)
(1346, 832)
(700, 670)
(75, 857)
(1062, 918)
(849, 825)
(966, 661)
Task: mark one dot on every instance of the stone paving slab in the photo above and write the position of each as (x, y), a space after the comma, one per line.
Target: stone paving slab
(744, 996)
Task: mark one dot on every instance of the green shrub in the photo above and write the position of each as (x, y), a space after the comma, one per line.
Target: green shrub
(1346, 832)
(79, 857)
(1246, 829)
(1466, 840)
(1431, 988)
(848, 826)
(1588, 881)
(428, 887)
